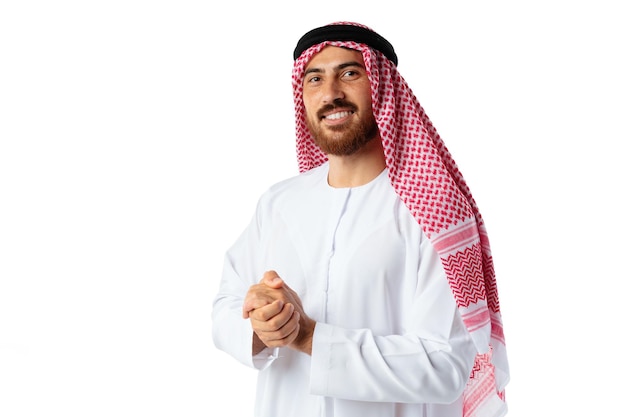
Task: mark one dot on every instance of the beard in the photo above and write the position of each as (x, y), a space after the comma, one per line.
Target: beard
(345, 139)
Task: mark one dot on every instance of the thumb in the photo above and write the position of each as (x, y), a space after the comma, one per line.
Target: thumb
(272, 280)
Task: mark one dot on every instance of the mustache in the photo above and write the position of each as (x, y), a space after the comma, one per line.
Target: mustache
(338, 103)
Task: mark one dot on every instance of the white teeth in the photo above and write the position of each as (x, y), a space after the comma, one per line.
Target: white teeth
(339, 115)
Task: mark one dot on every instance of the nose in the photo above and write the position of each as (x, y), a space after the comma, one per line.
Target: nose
(332, 91)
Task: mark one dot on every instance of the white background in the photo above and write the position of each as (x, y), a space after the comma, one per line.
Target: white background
(137, 135)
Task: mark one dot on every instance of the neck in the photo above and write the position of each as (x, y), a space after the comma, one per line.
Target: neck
(357, 169)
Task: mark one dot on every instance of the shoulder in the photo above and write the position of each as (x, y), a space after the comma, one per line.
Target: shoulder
(292, 196)
(297, 186)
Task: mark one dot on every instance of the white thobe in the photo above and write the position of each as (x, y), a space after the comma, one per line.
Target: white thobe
(389, 340)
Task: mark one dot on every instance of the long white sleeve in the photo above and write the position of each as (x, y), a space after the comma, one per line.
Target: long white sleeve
(231, 333)
(427, 361)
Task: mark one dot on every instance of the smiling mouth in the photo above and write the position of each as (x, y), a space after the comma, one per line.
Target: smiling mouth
(338, 115)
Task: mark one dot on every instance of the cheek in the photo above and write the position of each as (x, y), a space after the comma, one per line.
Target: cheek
(307, 99)
(308, 108)
(310, 120)
(366, 99)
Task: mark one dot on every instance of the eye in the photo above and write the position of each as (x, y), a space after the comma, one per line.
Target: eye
(312, 79)
(351, 74)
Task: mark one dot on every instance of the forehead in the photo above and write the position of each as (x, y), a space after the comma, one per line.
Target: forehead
(332, 56)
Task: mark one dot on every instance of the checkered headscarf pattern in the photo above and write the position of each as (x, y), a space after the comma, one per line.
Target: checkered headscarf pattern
(428, 181)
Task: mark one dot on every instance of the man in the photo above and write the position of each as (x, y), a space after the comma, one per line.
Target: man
(365, 283)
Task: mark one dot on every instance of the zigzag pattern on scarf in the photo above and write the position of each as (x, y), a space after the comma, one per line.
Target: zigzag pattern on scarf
(468, 265)
(481, 396)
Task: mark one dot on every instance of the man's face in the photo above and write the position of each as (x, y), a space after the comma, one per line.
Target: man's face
(338, 101)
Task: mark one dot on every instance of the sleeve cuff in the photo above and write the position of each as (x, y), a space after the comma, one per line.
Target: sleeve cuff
(320, 358)
(264, 358)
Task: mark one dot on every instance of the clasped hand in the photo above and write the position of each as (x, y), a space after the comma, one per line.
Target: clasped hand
(276, 315)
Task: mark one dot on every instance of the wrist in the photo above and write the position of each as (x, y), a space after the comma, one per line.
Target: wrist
(304, 341)
(257, 345)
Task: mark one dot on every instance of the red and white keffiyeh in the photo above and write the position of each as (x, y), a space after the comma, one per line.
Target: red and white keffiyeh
(428, 181)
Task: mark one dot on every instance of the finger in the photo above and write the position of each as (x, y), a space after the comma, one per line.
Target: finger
(282, 336)
(256, 300)
(270, 318)
(258, 295)
(272, 279)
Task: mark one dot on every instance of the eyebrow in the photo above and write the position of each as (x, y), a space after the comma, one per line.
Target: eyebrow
(337, 68)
